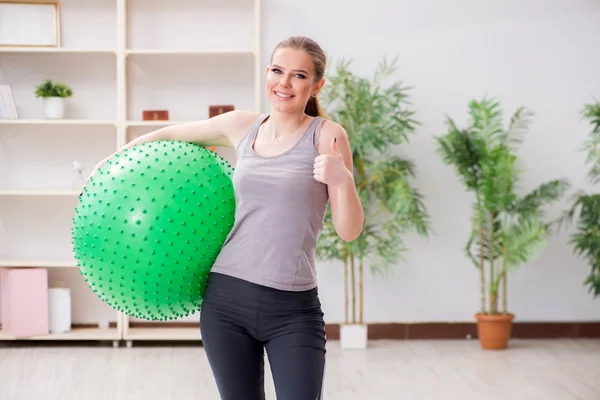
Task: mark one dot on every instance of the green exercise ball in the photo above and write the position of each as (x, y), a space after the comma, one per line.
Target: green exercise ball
(149, 226)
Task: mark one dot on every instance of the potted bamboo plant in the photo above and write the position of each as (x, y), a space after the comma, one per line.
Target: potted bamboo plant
(54, 95)
(508, 229)
(376, 118)
(586, 239)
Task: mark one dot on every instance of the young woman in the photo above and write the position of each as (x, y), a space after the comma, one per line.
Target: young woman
(262, 290)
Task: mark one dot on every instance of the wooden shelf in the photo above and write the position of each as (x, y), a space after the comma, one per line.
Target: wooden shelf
(37, 264)
(153, 123)
(166, 333)
(55, 122)
(198, 52)
(74, 334)
(54, 50)
(124, 67)
(47, 193)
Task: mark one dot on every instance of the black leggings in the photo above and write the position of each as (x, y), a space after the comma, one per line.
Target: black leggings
(240, 319)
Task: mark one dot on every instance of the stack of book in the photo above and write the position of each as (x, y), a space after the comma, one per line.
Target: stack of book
(8, 109)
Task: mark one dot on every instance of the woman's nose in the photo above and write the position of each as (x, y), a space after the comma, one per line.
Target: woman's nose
(285, 81)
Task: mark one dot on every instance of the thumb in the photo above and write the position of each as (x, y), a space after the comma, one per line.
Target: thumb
(334, 149)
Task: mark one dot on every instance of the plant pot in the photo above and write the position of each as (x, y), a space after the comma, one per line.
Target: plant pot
(54, 107)
(353, 336)
(494, 330)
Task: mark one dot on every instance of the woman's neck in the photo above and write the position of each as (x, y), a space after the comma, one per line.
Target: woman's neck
(281, 124)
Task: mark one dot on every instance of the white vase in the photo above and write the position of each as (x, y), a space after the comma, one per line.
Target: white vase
(54, 107)
(59, 309)
(353, 336)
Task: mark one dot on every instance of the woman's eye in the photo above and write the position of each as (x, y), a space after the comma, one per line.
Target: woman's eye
(278, 71)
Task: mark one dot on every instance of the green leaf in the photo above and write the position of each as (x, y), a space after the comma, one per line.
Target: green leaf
(51, 89)
(524, 240)
(592, 145)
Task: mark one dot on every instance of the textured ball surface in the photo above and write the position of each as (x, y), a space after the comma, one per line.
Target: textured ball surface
(149, 226)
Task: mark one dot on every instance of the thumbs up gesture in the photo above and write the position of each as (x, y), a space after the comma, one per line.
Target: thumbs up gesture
(330, 169)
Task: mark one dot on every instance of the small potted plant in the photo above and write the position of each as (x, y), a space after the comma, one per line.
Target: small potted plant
(54, 95)
(508, 228)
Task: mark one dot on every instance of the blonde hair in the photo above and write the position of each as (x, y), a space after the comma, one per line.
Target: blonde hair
(312, 48)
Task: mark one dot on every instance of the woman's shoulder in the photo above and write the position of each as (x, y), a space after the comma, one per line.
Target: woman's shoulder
(331, 127)
(243, 117)
(236, 124)
(329, 130)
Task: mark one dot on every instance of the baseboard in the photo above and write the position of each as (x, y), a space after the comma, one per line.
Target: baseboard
(462, 330)
(446, 330)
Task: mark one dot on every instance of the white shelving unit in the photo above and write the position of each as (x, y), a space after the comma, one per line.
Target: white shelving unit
(121, 57)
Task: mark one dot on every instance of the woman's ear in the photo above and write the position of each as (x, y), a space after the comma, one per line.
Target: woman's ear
(318, 86)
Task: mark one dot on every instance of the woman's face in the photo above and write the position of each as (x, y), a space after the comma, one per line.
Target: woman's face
(290, 80)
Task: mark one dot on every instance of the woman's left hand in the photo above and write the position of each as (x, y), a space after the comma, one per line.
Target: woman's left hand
(330, 169)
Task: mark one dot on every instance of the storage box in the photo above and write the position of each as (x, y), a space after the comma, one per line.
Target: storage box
(24, 299)
(155, 115)
(216, 109)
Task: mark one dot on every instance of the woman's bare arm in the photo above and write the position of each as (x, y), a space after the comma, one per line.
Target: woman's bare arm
(346, 208)
(224, 130)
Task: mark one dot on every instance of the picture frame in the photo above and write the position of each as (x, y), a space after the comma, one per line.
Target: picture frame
(25, 23)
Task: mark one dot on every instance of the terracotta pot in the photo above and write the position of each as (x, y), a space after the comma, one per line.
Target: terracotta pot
(494, 330)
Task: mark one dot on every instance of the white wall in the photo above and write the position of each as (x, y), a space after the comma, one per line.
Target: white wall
(537, 53)
(541, 54)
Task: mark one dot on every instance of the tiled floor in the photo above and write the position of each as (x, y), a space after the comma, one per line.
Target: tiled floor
(403, 370)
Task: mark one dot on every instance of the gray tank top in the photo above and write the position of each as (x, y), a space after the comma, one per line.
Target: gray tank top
(280, 209)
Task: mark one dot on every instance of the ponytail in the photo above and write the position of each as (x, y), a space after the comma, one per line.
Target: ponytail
(314, 109)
